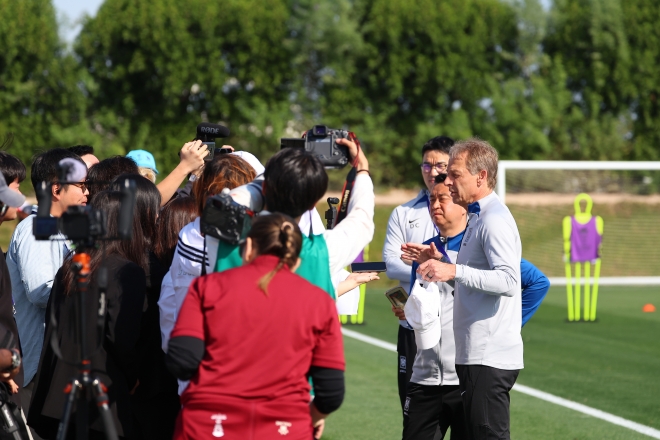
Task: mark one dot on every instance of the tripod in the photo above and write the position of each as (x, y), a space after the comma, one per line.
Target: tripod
(85, 387)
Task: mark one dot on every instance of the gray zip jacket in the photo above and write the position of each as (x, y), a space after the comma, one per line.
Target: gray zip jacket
(487, 294)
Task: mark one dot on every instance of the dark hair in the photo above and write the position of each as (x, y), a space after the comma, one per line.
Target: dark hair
(177, 213)
(44, 165)
(147, 204)
(224, 171)
(440, 178)
(438, 143)
(11, 168)
(134, 250)
(278, 235)
(294, 181)
(81, 150)
(103, 173)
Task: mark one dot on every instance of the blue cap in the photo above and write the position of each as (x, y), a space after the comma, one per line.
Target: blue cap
(143, 159)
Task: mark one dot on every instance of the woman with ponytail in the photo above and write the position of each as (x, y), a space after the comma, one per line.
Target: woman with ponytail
(249, 376)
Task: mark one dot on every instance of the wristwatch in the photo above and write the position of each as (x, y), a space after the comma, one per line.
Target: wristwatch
(15, 359)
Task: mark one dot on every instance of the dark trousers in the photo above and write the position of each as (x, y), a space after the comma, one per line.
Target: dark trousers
(407, 349)
(430, 410)
(485, 392)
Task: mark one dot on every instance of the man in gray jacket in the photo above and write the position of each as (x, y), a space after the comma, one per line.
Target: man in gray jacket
(487, 301)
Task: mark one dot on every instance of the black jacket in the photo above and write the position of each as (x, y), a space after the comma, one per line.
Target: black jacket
(117, 361)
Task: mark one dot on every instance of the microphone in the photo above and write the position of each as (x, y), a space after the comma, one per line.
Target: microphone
(71, 170)
(43, 199)
(125, 224)
(207, 131)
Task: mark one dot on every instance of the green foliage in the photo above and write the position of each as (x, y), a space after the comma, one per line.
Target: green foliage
(576, 82)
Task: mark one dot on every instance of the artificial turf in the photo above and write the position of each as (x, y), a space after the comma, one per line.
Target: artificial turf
(610, 365)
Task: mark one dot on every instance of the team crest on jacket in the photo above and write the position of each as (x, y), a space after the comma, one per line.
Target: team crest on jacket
(283, 427)
(402, 363)
(217, 429)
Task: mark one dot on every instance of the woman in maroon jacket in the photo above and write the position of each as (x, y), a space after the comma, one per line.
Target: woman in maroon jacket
(250, 337)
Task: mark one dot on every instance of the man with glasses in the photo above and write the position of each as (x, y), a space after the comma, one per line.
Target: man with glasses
(33, 264)
(411, 223)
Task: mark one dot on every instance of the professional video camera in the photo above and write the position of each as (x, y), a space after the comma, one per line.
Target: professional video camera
(207, 133)
(321, 141)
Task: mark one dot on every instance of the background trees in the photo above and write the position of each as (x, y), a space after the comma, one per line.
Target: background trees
(576, 82)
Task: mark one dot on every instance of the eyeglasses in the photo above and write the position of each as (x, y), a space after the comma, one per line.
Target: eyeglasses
(81, 185)
(439, 166)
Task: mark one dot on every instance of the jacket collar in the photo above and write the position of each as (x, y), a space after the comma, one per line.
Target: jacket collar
(476, 207)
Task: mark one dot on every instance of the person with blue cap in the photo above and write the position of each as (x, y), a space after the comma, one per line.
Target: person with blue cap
(145, 162)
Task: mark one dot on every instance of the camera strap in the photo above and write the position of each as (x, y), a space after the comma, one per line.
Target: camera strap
(347, 192)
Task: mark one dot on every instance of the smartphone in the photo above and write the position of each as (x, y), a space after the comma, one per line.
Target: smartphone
(371, 266)
(397, 296)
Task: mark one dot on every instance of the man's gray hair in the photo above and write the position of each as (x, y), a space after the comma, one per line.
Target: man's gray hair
(479, 155)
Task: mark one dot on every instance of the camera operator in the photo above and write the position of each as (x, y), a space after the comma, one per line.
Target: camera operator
(191, 163)
(33, 264)
(118, 360)
(294, 181)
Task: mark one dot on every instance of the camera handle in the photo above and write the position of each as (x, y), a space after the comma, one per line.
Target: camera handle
(79, 389)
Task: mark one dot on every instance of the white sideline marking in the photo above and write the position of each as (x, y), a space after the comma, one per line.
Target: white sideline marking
(611, 418)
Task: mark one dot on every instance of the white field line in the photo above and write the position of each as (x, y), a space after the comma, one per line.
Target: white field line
(611, 418)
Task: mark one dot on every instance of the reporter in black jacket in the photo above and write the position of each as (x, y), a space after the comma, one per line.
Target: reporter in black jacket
(117, 362)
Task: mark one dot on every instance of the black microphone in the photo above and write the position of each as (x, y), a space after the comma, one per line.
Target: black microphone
(43, 199)
(207, 131)
(125, 226)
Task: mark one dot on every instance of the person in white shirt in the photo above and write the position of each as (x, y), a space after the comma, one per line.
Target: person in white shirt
(411, 223)
(487, 295)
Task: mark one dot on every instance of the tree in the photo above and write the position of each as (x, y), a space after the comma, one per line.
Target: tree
(38, 80)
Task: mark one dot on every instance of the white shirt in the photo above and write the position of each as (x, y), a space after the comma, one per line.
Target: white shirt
(487, 297)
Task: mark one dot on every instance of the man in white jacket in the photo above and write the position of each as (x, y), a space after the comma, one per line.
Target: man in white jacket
(487, 295)
(411, 223)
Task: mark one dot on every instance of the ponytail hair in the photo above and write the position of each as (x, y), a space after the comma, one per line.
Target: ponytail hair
(279, 235)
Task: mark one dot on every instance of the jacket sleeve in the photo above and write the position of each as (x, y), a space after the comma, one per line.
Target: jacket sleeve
(168, 310)
(535, 286)
(499, 243)
(356, 231)
(126, 300)
(394, 238)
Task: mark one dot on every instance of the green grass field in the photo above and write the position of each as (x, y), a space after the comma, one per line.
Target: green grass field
(610, 365)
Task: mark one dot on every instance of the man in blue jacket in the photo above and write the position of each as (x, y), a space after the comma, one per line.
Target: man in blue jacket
(433, 401)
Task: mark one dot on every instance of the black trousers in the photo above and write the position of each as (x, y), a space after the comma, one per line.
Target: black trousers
(430, 410)
(485, 392)
(407, 349)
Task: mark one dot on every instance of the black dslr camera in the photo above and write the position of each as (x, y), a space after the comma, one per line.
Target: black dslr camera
(225, 219)
(321, 141)
(207, 133)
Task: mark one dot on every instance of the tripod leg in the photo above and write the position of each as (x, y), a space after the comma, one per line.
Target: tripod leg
(72, 391)
(104, 409)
